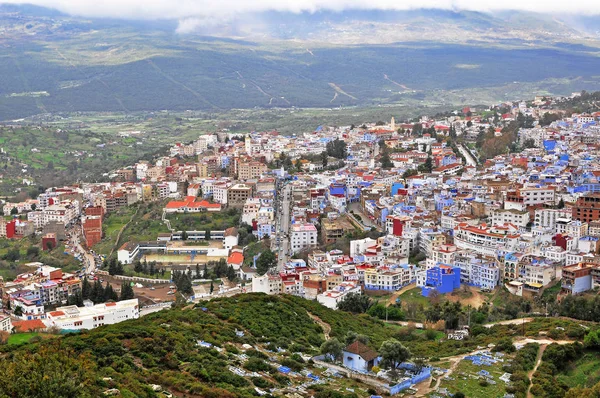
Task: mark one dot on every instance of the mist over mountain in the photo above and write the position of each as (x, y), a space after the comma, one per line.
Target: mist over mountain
(54, 62)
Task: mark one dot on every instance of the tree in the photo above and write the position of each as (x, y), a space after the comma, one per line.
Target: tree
(207, 235)
(110, 294)
(561, 204)
(332, 348)
(337, 148)
(33, 252)
(386, 162)
(212, 287)
(410, 173)
(185, 285)
(97, 294)
(14, 211)
(184, 235)
(298, 164)
(355, 302)
(86, 288)
(127, 291)
(592, 340)
(352, 336)
(265, 261)
(324, 158)
(137, 266)
(427, 166)
(231, 274)
(529, 143)
(205, 271)
(198, 271)
(393, 353)
(18, 311)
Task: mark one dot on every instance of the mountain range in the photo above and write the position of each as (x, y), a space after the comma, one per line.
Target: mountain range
(52, 62)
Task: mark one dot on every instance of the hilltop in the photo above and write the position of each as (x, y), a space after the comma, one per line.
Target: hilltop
(163, 349)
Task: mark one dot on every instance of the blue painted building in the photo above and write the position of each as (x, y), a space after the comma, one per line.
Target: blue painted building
(442, 278)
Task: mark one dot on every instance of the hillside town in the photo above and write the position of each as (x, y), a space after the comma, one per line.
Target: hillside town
(340, 210)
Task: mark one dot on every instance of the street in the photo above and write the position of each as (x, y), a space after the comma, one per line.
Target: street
(281, 244)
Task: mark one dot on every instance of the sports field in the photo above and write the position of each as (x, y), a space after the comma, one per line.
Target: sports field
(180, 258)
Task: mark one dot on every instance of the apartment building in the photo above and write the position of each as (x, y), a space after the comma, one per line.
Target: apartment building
(248, 170)
(389, 278)
(587, 208)
(510, 216)
(546, 218)
(485, 240)
(303, 236)
(267, 283)
(92, 316)
(238, 194)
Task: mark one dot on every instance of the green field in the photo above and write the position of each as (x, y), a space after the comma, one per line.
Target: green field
(217, 221)
(21, 338)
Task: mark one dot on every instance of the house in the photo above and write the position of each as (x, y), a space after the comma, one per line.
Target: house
(230, 238)
(236, 259)
(359, 357)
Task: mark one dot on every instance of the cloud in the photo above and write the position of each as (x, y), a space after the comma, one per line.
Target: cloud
(190, 12)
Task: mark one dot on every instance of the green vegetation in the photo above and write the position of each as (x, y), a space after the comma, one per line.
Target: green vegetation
(464, 380)
(140, 222)
(21, 338)
(14, 254)
(217, 221)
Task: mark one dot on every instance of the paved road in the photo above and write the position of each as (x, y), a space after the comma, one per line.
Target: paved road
(467, 155)
(284, 227)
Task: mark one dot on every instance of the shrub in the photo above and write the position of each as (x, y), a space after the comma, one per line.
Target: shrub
(261, 383)
(257, 365)
(484, 383)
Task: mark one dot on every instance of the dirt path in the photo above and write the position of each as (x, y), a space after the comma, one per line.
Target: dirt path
(518, 321)
(396, 294)
(424, 388)
(532, 371)
(325, 326)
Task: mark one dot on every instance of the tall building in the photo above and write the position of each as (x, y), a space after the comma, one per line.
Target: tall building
(587, 208)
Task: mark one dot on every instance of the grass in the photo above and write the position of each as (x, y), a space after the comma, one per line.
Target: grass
(585, 372)
(414, 296)
(21, 338)
(205, 221)
(470, 386)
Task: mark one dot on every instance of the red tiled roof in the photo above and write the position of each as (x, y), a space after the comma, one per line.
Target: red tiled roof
(56, 313)
(362, 350)
(235, 258)
(29, 326)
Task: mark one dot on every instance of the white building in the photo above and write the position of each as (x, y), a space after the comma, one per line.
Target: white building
(5, 324)
(546, 218)
(511, 216)
(331, 298)
(91, 316)
(220, 192)
(269, 284)
(250, 210)
(303, 236)
(128, 252)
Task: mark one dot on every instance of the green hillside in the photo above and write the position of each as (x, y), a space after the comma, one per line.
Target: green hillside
(162, 349)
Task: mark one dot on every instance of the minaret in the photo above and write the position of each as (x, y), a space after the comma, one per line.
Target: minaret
(248, 144)
(393, 124)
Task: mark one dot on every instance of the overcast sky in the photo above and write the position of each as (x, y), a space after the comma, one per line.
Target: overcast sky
(182, 9)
